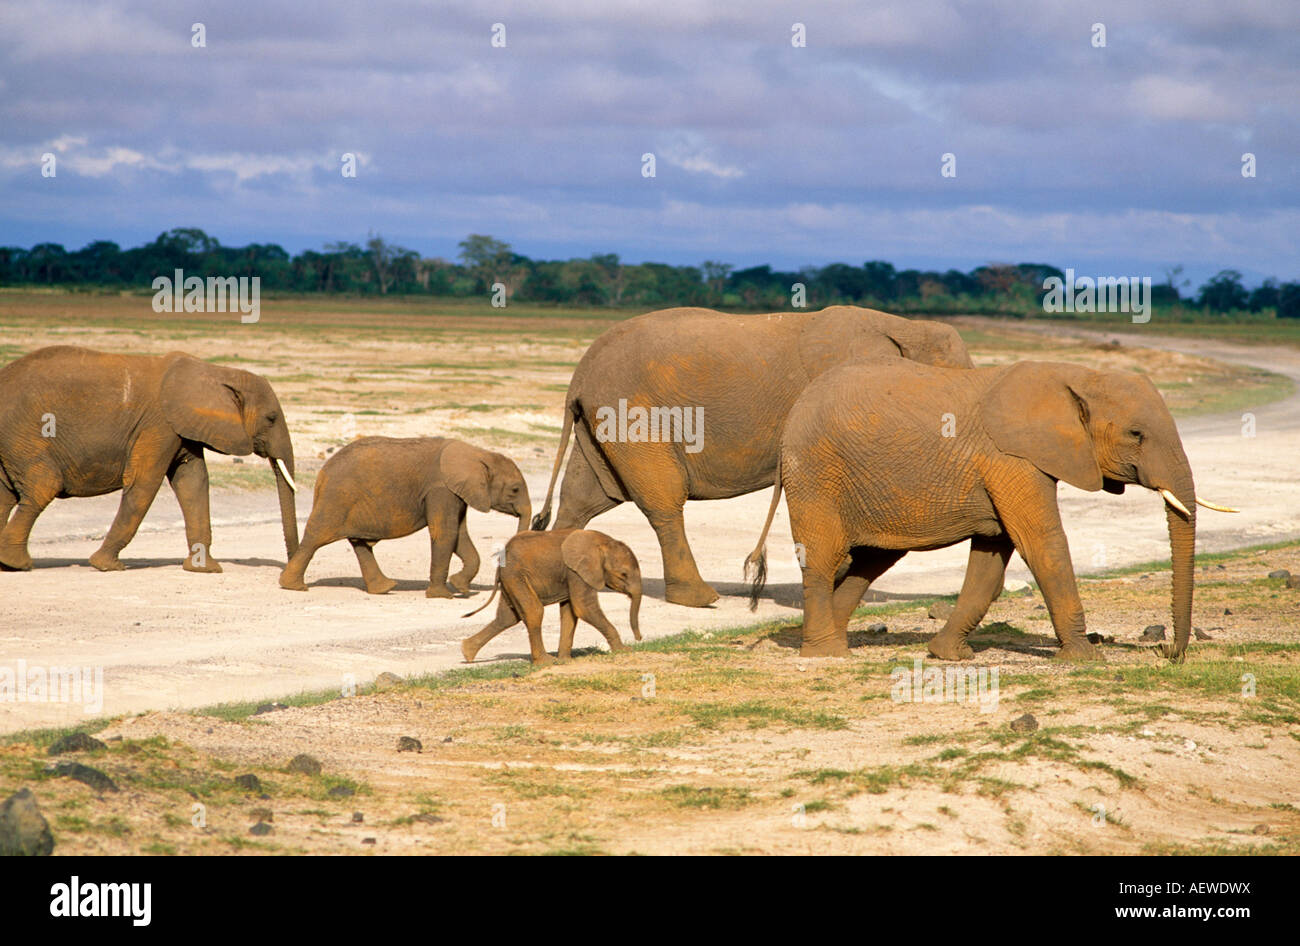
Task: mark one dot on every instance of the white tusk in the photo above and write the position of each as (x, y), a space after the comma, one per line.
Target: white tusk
(1172, 500)
(284, 471)
(1201, 502)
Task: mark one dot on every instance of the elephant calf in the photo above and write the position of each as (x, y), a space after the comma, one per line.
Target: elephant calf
(385, 488)
(876, 462)
(568, 567)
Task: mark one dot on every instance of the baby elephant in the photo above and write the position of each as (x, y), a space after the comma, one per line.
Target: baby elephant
(385, 488)
(567, 566)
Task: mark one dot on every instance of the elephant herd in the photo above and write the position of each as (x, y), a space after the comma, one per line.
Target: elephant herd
(879, 431)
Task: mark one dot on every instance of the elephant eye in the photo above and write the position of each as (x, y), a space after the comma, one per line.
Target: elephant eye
(1136, 435)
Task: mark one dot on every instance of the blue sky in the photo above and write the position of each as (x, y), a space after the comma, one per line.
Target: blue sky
(1117, 160)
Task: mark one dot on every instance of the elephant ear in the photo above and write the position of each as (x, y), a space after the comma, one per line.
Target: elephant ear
(465, 472)
(582, 553)
(202, 402)
(1036, 413)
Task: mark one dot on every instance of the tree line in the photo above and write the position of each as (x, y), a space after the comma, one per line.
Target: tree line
(484, 263)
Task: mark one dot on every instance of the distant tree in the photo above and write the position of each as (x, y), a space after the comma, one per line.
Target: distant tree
(488, 260)
(715, 277)
(1288, 300)
(1224, 292)
(381, 256)
(1264, 296)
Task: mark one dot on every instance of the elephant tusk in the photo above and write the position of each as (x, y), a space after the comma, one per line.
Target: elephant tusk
(1201, 502)
(1172, 500)
(284, 471)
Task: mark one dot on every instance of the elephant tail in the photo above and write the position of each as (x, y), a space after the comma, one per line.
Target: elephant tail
(756, 564)
(543, 518)
(496, 586)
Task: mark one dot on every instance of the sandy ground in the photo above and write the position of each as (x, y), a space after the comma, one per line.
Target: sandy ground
(168, 639)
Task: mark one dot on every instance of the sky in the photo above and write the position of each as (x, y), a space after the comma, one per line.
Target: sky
(1122, 159)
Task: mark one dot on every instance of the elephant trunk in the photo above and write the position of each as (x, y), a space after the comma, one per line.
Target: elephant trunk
(634, 610)
(1182, 557)
(524, 510)
(283, 469)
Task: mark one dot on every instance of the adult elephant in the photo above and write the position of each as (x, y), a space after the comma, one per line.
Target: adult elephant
(744, 372)
(78, 422)
(875, 463)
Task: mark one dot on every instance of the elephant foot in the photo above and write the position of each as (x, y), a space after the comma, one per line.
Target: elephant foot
(211, 567)
(380, 586)
(107, 561)
(469, 649)
(291, 583)
(460, 583)
(439, 591)
(14, 558)
(830, 647)
(691, 595)
(545, 660)
(950, 647)
(1080, 650)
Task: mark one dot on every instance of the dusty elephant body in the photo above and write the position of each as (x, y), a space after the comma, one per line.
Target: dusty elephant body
(740, 375)
(877, 463)
(566, 567)
(78, 422)
(387, 487)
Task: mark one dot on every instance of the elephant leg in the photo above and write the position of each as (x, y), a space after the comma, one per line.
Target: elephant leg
(506, 618)
(532, 609)
(568, 624)
(586, 606)
(986, 570)
(8, 499)
(314, 537)
(142, 479)
(1034, 523)
(444, 526)
(865, 566)
(188, 476)
(826, 547)
(14, 534)
(581, 496)
(377, 583)
(469, 559)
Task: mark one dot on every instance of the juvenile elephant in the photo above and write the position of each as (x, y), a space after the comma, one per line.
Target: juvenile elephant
(78, 422)
(877, 462)
(734, 378)
(387, 487)
(565, 566)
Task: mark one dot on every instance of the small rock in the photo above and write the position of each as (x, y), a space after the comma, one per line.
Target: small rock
(268, 708)
(249, 783)
(448, 739)
(1292, 582)
(1202, 635)
(1040, 607)
(877, 629)
(409, 744)
(262, 814)
(1227, 610)
(341, 791)
(1154, 632)
(1025, 723)
(260, 829)
(1189, 745)
(1279, 573)
(1119, 678)
(386, 681)
(367, 840)
(84, 774)
(940, 611)
(1014, 585)
(358, 817)
(75, 742)
(1100, 639)
(1260, 829)
(236, 459)
(304, 764)
(24, 832)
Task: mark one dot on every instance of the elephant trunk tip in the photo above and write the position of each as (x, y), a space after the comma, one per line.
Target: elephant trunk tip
(541, 521)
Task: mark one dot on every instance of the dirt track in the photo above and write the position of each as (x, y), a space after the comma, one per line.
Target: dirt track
(169, 639)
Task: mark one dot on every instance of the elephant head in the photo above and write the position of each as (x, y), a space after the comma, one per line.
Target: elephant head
(604, 562)
(234, 412)
(1103, 430)
(485, 480)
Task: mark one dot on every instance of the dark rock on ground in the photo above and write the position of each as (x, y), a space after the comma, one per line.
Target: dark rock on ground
(409, 744)
(249, 783)
(1202, 635)
(877, 629)
(85, 775)
(940, 611)
(358, 817)
(260, 829)
(269, 708)
(24, 832)
(1154, 632)
(386, 681)
(304, 764)
(75, 742)
(1279, 573)
(1025, 723)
